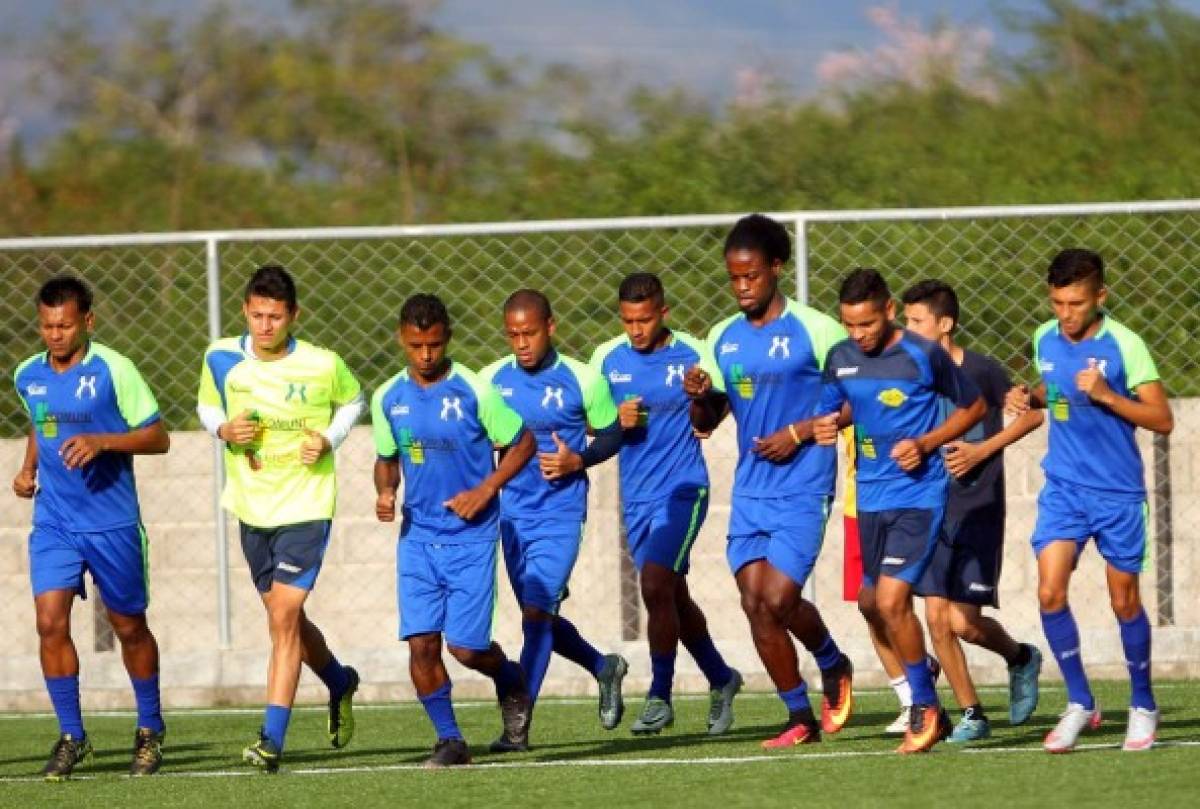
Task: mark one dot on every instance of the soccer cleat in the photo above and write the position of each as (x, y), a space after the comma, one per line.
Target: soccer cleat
(513, 739)
(900, 723)
(67, 753)
(612, 703)
(927, 725)
(147, 752)
(1074, 720)
(802, 729)
(516, 712)
(837, 703)
(448, 753)
(1023, 687)
(263, 754)
(340, 723)
(1142, 729)
(970, 730)
(656, 714)
(720, 704)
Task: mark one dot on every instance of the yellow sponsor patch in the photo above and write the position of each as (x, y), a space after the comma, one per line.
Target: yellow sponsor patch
(892, 397)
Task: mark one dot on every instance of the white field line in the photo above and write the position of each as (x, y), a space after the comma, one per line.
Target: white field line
(591, 762)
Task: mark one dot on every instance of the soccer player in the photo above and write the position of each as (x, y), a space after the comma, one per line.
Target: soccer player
(664, 493)
(891, 381)
(282, 406)
(964, 573)
(543, 508)
(439, 422)
(1100, 384)
(91, 412)
(768, 359)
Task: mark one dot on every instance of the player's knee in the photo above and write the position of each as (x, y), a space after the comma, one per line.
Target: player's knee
(938, 619)
(965, 626)
(52, 626)
(657, 593)
(1126, 604)
(284, 621)
(471, 658)
(1051, 598)
(131, 631)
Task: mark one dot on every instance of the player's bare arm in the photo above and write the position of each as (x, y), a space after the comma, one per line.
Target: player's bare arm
(1150, 410)
(469, 503)
(909, 452)
(387, 480)
(25, 483)
(963, 456)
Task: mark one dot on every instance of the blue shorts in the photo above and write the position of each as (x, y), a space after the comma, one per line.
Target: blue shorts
(447, 588)
(898, 543)
(786, 532)
(117, 559)
(288, 554)
(539, 556)
(965, 567)
(1071, 513)
(663, 531)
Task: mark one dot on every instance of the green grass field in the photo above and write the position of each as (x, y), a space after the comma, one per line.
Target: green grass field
(575, 763)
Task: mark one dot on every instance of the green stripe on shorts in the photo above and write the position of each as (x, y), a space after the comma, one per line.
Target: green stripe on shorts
(693, 528)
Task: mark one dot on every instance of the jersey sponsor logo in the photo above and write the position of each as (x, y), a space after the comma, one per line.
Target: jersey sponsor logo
(850, 370)
(673, 372)
(743, 384)
(238, 388)
(1060, 408)
(399, 410)
(412, 448)
(553, 395)
(892, 397)
(34, 389)
(617, 377)
(728, 348)
(88, 384)
(298, 390)
(292, 425)
(452, 404)
(779, 344)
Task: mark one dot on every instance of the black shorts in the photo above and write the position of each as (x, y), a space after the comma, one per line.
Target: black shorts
(966, 565)
(898, 543)
(289, 554)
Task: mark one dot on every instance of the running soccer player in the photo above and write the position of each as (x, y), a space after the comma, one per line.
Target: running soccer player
(282, 406)
(543, 508)
(768, 359)
(1100, 384)
(439, 422)
(664, 493)
(91, 412)
(964, 574)
(891, 380)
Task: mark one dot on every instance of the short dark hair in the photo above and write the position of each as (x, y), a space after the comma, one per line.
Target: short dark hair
(862, 285)
(529, 299)
(761, 234)
(1076, 265)
(424, 311)
(939, 296)
(274, 282)
(61, 289)
(642, 286)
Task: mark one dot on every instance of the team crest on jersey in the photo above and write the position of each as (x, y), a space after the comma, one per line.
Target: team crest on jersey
(553, 395)
(87, 384)
(452, 404)
(779, 347)
(674, 372)
(617, 377)
(892, 397)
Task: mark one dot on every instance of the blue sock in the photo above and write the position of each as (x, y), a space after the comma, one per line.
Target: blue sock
(662, 674)
(920, 680)
(275, 722)
(1135, 637)
(335, 677)
(828, 655)
(507, 679)
(797, 698)
(704, 652)
(535, 654)
(441, 712)
(64, 694)
(570, 644)
(1063, 636)
(149, 704)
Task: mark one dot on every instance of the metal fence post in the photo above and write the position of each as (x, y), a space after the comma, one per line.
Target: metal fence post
(1164, 531)
(224, 619)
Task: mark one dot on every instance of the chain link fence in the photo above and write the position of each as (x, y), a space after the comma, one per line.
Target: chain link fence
(160, 299)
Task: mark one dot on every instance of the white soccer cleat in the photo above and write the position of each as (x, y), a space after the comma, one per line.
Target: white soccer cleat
(1074, 720)
(1142, 729)
(899, 725)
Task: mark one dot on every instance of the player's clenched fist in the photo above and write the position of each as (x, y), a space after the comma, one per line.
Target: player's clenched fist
(25, 483)
(825, 430)
(315, 445)
(240, 430)
(696, 382)
(907, 454)
(385, 507)
(1016, 401)
(1091, 381)
(628, 413)
(468, 504)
